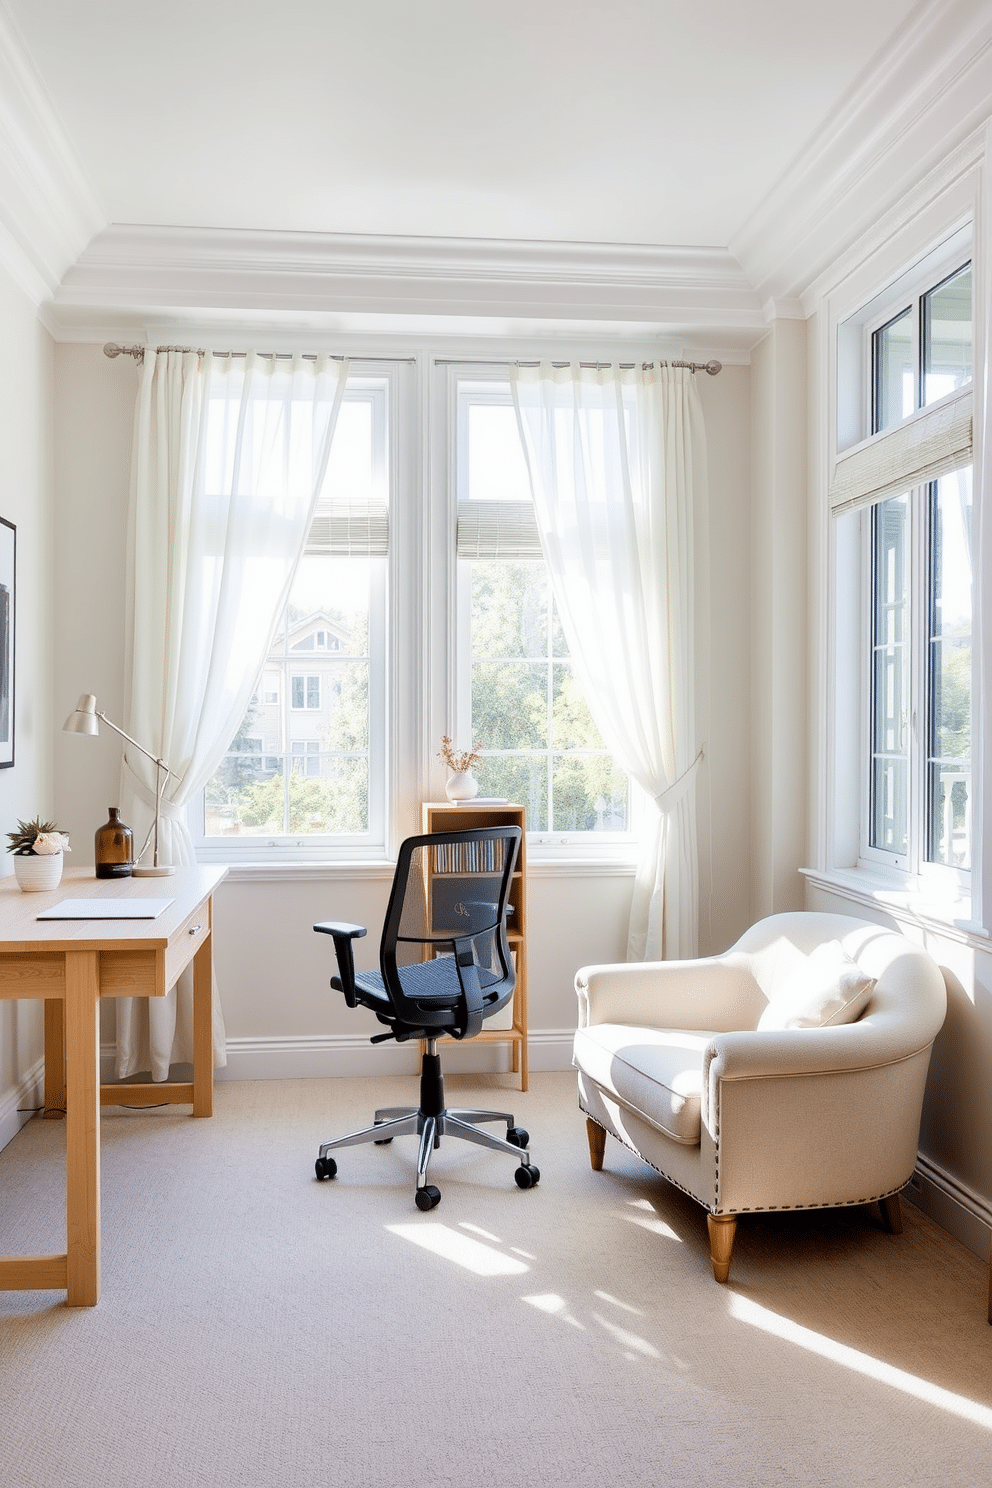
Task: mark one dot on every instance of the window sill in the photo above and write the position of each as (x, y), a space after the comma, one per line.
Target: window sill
(907, 903)
(283, 872)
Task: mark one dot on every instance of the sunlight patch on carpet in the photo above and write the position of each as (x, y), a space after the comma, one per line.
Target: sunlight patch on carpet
(756, 1316)
(481, 1259)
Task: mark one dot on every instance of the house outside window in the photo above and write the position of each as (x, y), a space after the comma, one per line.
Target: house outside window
(315, 779)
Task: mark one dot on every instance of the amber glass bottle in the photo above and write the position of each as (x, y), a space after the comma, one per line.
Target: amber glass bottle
(114, 846)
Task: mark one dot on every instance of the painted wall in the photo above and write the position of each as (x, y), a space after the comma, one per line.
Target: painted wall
(27, 500)
(272, 970)
(779, 782)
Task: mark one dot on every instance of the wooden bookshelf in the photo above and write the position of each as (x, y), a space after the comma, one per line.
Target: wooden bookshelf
(457, 816)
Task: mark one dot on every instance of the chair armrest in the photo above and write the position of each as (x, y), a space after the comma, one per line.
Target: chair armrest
(343, 934)
(716, 992)
(756, 1054)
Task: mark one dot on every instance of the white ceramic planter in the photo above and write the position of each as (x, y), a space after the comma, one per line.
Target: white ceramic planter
(36, 872)
(461, 786)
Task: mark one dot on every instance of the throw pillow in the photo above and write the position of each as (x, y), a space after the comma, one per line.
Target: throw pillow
(829, 988)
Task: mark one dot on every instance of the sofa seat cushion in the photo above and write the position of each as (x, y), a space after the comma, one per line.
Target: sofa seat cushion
(657, 1072)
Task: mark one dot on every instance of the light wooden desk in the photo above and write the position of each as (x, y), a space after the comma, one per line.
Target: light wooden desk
(72, 964)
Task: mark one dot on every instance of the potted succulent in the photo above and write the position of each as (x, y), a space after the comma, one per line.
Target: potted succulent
(38, 848)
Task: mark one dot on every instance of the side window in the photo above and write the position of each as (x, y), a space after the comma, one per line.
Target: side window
(920, 563)
(518, 694)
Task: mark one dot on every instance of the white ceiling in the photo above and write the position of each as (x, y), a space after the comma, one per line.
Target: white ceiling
(596, 121)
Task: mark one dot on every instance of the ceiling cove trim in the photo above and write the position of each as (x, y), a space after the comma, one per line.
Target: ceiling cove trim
(916, 101)
(48, 212)
(133, 268)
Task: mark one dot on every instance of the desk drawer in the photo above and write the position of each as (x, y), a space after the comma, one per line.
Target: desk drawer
(183, 946)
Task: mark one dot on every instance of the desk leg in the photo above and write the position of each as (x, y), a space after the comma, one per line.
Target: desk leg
(203, 1030)
(82, 1002)
(54, 1059)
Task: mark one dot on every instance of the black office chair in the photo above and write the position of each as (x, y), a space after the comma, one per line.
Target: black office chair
(445, 966)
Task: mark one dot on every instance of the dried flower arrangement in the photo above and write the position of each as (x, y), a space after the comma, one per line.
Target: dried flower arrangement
(37, 839)
(459, 760)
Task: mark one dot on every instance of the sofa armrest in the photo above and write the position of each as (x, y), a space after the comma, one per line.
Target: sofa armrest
(716, 992)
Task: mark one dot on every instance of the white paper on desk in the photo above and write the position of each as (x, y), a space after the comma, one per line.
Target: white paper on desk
(105, 909)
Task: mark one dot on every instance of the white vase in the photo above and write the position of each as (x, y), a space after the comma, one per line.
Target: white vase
(461, 786)
(36, 872)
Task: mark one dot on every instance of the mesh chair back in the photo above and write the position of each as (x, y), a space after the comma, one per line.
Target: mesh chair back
(450, 897)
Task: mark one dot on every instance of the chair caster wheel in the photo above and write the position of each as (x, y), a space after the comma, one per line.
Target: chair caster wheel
(518, 1136)
(527, 1175)
(428, 1197)
(325, 1167)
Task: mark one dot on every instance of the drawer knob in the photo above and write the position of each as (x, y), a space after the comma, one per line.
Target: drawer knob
(194, 929)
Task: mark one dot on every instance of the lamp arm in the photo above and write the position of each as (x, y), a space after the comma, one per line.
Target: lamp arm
(146, 752)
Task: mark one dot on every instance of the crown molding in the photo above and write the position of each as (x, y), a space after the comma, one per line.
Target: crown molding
(48, 212)
(928, 91)
(138, 273)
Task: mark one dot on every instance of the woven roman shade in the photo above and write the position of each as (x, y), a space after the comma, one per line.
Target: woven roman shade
(349, 529)
(931, 443)
(497, 529)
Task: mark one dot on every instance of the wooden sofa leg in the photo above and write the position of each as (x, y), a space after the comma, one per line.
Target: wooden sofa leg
(597, 1143)
(891, 1214)
(721, 1228)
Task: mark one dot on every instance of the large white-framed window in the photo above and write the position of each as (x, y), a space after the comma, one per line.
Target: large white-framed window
(902, 499)
(306, 775)
(516, 690)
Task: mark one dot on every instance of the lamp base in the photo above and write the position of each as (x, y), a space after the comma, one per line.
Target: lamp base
(162, 871)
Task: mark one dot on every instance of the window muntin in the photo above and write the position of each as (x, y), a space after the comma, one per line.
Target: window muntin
(518, 693)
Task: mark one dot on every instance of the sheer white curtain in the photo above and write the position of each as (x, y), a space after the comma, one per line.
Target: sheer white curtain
(617, 461)
(228, 459)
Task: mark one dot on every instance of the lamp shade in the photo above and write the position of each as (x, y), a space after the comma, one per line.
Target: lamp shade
(83, 720)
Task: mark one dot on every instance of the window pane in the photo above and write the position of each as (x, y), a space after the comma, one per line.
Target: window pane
(949, 674)
(889, 824)
(541, 746)
(947, 355)
(894, 377)
(589, 794)
(510, 704)
(509, 609)
(496, 468)
(304, 770)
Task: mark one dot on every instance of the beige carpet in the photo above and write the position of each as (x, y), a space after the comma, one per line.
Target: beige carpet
(259, 1328)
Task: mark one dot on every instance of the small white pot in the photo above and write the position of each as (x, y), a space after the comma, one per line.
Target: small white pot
(36, 872)
(461, 786)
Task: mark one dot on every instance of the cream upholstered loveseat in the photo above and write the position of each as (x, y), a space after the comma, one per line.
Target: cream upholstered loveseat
(797, 1113)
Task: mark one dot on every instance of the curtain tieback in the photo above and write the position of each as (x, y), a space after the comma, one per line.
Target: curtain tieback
(674, 792)
(166, 808)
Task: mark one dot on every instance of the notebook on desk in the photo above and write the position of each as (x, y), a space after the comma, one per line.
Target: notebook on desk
(105, 909)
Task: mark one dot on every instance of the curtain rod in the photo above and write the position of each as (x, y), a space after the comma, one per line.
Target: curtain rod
(138, 352)
(712, 367)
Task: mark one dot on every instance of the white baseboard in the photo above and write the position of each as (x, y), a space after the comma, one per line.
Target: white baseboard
(956, 1208)
(352, 1054)
(20, 1104)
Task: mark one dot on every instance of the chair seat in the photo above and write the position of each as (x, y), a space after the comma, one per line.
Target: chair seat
(657, 1072)
(433, 984)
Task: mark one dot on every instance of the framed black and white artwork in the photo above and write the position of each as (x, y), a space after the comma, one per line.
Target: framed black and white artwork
(8, 543)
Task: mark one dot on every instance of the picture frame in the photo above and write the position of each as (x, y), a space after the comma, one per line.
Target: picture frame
(8, 611)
